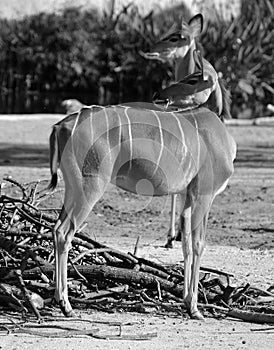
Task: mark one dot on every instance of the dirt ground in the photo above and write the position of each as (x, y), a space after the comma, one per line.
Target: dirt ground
(240, 240)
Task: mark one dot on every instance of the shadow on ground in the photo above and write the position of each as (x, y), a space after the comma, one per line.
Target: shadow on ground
(255, 157)
(24, 155)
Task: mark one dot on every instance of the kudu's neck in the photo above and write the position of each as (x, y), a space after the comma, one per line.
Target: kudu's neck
(185, 65)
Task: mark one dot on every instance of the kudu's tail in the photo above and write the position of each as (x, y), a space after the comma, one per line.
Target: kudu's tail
(54, 158)
(226, 99)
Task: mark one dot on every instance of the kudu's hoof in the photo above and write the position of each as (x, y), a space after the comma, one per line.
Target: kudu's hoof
(70, 313)
(65, 311)
(169, 244)
(197, 316)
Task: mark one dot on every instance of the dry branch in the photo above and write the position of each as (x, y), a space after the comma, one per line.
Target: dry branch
(251, 316)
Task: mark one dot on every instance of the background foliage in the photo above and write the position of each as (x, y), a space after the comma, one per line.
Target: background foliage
(98, 57)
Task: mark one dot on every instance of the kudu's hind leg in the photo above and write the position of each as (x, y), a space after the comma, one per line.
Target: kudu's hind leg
(62, 225)
(172, 231)
(61, 231)
(70, 220)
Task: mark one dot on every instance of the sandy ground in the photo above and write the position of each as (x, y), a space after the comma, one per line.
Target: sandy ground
(240, 240)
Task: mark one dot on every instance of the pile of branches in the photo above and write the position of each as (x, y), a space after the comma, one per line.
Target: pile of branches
(101, 277)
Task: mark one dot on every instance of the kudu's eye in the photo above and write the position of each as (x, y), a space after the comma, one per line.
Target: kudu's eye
(173, 39)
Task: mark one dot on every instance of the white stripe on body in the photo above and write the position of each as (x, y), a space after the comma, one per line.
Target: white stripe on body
(107, 126)
(91, 129)
(73, 130)
(130, 139)
(184, 148)
(198, 138)
(76, 122)
(162, 142)
(119, 127)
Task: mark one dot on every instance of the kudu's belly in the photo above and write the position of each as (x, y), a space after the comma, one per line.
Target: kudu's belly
(147, 176)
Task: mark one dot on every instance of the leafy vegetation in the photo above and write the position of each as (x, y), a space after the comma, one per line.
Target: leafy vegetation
(80, 51)
(243, 50)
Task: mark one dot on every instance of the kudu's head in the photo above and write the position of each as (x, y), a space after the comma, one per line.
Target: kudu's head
(185, 93)
(177, 44)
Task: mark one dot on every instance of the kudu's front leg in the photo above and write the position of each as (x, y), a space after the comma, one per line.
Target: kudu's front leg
(193, 239)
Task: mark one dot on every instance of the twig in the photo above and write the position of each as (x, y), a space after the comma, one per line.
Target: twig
(120, 255)
(104, 293)
(251, 316)
(141, 336)
(239, 292)
(16, 183)
(33, 192)
(159, 290)
(262, 329)
(27, 294)
(76, 270)
(266, 292)
(135, 252)
(89, 252)
(217, 272)
(66, 333)
(212, 306)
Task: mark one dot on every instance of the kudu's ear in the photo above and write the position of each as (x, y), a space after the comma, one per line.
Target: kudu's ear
(196, 24)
